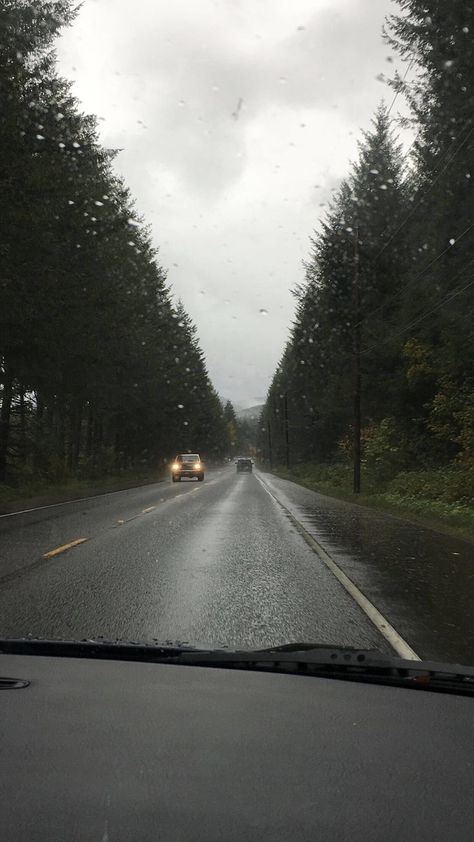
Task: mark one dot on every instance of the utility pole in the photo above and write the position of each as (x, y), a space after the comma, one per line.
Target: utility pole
(357, 378)
(287, 436)
(270, 453)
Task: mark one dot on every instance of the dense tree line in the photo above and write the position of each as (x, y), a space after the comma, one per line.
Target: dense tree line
(99, 371)
(389, 286)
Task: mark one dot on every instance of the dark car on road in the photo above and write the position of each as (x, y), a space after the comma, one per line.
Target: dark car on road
(187, 465)
(244, 465)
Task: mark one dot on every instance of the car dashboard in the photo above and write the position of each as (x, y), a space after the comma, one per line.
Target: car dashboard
(119, 751)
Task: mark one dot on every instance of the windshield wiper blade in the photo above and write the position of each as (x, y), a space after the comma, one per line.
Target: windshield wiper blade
(300, 658)
(153, 650)
(96, 648)
(350, 664)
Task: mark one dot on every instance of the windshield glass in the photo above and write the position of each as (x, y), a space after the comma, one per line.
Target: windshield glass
(243, 228)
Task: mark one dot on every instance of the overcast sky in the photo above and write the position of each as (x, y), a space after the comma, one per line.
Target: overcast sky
(236, 119)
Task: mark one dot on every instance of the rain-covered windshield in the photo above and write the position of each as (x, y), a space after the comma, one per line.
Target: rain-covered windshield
(246, 229)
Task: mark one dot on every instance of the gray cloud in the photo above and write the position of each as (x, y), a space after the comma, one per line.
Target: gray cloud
(231, 197)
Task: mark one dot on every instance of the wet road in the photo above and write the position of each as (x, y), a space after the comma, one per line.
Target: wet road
(222, 563)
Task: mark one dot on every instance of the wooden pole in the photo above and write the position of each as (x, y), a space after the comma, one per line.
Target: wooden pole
(357, 377)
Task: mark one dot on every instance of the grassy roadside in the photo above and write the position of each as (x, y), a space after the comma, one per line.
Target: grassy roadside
(452, 518)
(43, 493)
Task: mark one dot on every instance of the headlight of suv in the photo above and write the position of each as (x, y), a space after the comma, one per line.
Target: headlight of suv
(197, 466)
(175, 467)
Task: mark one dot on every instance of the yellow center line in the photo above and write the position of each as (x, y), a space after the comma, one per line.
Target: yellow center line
(64, 547)
(150, 508)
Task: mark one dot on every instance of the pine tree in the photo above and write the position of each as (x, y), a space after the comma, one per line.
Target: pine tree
(316, 373)
(99, 371)
(438, 37)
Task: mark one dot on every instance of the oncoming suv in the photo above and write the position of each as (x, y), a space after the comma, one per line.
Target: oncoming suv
(187, 465)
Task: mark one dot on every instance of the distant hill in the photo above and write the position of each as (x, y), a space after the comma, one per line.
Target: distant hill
(250, 414)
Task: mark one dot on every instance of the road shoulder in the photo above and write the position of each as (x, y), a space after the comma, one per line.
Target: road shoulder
(448, 524)
(418, 578)
(66, 493)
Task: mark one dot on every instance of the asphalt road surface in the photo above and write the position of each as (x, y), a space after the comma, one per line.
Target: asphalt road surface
(231, 562)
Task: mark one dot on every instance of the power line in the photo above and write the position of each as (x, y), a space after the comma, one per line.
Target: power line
(440, 172)
(403, 223)
(447, 300)
(400, 86)
(423, 197)
(417, 277)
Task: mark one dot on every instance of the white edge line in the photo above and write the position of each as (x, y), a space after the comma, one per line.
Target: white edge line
(401, 647)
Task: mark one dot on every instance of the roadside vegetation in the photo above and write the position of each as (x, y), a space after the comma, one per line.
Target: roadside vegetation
(385, 317)
(42, 492)
(421, 496)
